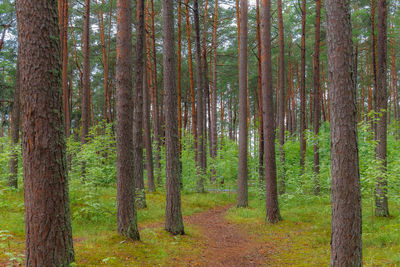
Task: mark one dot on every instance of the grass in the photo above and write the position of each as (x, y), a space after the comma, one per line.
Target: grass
(96, 241)
(303, 237)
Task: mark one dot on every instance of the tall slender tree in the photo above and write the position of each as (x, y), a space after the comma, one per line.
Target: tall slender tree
(138, 107)
(213, 126)
(317, 102)
(242, 200)
(272, 211)
(48, 231)
(126, 214)
(303, 145)
(381, 201)
(200, 105)
(85, 97)
(346, 249)
(281, 105)
(15, 122)
(173, 213)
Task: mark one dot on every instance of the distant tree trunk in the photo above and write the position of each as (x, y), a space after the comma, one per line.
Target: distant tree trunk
(317, 102)
(126, 216)
(281, 98)
(85, 98)
(242, 200)
(179, 73)
(47, 212)
(146, 112)
(155, 104)
(200, 98)
(381, 201)
(15, 122)
(138, 107)
(214, 134)
(346, 248)
(173, 214)
(375, 71)
(272, 211)
(303, 145)
(192, 92)
(63, 17)
(260, 108)
(206, 87)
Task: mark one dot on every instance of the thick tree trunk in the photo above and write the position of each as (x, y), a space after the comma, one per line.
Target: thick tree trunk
(85, 98)
(200, 104)
(138, 107)
(126, 216)
(346, 247)
(15, 122)
(242, 200)
(272, 208)
(317, 102)
(173, 214)
(381, 201)
(281, 98)
(303, 145)
(47, 212)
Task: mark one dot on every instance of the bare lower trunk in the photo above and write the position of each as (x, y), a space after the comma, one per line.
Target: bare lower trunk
(346, 249)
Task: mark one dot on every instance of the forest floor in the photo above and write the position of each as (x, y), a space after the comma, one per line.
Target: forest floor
(216, 232)
(225, 243)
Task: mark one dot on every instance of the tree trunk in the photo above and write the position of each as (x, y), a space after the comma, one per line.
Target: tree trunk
(200, 105)
(63, 17)
(156, 109)
(272, 208)
(47, 212)
(126, 216)
(192, 92)
(146, 111)
(173, 214)
(260, 108)
(179, 73)
(303, 145)
(281, 98)
(214, 135)
(85, 101)
(317, 102)
(381, 201)
(15, 122)
(242, 200)
(138, 107)
(346, 249)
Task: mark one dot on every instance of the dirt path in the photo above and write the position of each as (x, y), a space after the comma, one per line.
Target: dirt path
(225, 244)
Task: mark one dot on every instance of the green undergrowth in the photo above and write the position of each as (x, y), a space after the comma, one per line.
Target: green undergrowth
(93, 212)
(302, 238)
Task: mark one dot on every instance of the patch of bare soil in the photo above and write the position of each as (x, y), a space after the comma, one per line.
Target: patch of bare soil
(224, 243)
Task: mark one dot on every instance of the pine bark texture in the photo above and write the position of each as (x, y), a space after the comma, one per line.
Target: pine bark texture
(173, 213)
(272, 208)
(138, 107)
(126, 207)
(47, 213)
(242, 195)
(346, 249)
